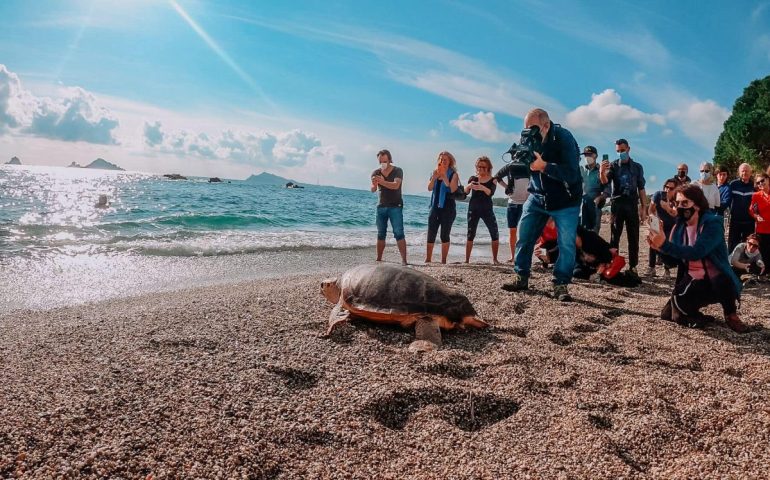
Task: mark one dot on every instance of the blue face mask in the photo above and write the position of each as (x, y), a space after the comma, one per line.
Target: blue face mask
(623, 156)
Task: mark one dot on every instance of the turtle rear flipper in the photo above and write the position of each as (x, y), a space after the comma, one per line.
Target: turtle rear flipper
(338, 315)
(427, 335)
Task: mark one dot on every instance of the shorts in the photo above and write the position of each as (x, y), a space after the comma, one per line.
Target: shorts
(513, 214)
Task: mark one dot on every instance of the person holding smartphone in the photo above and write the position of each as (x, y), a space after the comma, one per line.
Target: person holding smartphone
(387, 180)
(629, 200)
(482, 187)
(442, 184)
(662, 208)
(704, 275)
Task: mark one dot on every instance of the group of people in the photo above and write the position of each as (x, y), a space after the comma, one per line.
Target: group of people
(686, 218)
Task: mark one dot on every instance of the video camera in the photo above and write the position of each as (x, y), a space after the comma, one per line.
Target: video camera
(531, 141)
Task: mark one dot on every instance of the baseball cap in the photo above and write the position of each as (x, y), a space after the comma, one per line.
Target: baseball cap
(590, 150)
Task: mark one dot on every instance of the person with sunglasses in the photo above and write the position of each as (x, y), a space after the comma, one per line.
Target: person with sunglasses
(760, 212)
(746, 259)
(706, 183)
(704, 275)
(480, 207)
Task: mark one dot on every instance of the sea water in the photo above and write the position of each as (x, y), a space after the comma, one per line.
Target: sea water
(156, 233)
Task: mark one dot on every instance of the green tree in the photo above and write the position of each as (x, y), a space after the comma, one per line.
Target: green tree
(746, 134)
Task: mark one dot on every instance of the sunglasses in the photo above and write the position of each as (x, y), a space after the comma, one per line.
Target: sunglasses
(753, 245)
(482, 168)
(759, 182)
(705, 171)
(684, 204)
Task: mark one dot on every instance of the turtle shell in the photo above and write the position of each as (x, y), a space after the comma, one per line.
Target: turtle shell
(392, 290)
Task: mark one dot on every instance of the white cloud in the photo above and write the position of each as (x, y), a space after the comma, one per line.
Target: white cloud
(607, 113)
(481, 126)
(701, 121)
(16, 104)
(286, 149)
(74, 117)
(152, 134)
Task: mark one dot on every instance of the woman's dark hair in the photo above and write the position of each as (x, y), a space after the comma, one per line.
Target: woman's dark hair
(695, 195)
(386, 153)
(671, 180)
(722, 169)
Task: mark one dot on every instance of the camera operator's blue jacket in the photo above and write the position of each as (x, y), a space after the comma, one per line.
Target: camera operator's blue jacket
(709, 245)
(560, 184)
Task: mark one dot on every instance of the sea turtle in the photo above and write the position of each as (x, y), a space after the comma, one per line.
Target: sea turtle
(399, 295)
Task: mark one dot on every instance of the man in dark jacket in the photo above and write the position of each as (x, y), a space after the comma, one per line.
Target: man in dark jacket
(594, 195)
(556, 190)
(629, 200)
(741, 223)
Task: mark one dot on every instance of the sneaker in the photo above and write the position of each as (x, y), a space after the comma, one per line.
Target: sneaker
(650, 272)
(666, 272)
(631, 272)
(735, 323)
(748, 279)
(519, 283)
(560, 293)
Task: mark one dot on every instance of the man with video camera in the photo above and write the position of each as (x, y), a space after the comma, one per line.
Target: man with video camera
(556, 191)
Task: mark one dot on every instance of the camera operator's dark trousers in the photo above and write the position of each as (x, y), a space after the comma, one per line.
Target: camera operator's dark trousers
(625, 211)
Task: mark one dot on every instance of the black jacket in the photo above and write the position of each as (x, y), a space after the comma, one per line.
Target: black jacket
(560, 185)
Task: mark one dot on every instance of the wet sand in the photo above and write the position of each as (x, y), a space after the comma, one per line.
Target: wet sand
(232, 381)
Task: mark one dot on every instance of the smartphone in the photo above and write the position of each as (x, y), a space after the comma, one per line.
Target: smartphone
(605, 158)
(654, 222)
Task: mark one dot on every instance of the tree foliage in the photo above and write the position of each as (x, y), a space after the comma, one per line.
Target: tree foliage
(746, 134)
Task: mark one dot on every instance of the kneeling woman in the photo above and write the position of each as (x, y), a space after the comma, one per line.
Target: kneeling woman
(480, 206)
(442, 185)
(704, 275)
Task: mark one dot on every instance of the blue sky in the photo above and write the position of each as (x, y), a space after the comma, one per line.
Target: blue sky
(313, 89)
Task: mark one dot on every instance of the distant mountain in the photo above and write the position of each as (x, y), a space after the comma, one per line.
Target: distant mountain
(265, 178)
(13, 161)
(74, 165)
(102, 164)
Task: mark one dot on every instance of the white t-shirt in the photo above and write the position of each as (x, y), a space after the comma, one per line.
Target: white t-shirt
(520, 193)
(711, 192)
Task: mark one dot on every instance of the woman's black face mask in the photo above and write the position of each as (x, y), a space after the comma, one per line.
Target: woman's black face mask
(685, 213)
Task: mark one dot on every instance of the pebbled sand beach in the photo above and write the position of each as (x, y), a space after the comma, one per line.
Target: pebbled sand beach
(233, 382)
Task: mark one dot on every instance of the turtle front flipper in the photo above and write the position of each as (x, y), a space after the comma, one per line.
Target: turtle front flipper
(338, 315)
(427, 335)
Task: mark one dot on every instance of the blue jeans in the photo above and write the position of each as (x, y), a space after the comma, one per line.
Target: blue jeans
(396, 216)
(533, 219)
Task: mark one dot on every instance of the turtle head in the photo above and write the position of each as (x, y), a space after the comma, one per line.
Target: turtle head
(331, 290)
(474, 322)
(461, 311)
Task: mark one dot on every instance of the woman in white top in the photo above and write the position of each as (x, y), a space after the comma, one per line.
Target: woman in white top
(707, 183)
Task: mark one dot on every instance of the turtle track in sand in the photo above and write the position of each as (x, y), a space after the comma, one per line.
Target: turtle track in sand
(465, 410)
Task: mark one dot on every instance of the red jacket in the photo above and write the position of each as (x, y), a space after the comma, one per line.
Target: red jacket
(760, 203)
